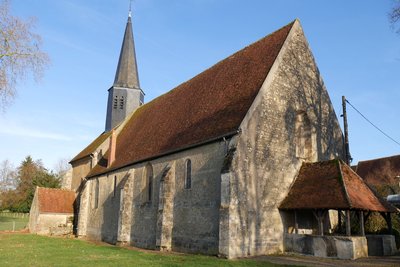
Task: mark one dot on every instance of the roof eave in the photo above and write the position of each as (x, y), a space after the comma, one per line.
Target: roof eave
(111, 169)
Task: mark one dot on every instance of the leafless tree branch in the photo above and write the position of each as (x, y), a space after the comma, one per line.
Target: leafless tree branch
(20, 53)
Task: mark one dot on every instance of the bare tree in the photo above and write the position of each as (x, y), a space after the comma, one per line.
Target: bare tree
(62, 166)
(20, 53)
(394, 15)
(7, 176)
(64, 172)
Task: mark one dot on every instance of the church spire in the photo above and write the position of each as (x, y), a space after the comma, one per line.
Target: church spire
(127, 73)
(125, 95)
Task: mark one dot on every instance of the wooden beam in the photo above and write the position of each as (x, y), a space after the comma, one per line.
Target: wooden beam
(296, 225)
(321, 225)
(389, 223)
(388, 219)
(361, 220)
(320, 221)
(366, 216)
(348, 226)
(339, 221)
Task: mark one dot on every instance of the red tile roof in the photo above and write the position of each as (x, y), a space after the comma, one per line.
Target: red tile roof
(380, 171)
(332, 185)
(208, 106)
(52, 200)
(92, 146)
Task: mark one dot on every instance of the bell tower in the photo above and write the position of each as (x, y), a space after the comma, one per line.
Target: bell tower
(125, 95)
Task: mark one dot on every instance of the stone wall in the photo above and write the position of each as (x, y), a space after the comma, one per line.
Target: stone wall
(266, 158)
(66, 180)
(342, 247)
(101, 218)
(176, 218)
(381, 245)
(54, 224)
(34, 213)
(80, 169)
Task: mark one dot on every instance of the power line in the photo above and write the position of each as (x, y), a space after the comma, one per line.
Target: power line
(376, 127)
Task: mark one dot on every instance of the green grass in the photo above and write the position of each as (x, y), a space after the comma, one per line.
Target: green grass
(6, 223)
(32, 250)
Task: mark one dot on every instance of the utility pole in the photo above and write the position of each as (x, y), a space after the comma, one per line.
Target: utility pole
(346, 133)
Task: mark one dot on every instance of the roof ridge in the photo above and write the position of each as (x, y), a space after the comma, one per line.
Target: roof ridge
(177, 87)
(58, 189)
(378, 198)
(206, 95)
(341, 178)
(370, 160)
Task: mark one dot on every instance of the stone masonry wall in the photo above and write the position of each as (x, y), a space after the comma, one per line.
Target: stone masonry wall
(176, 218)
(102, 221)
(266, 162)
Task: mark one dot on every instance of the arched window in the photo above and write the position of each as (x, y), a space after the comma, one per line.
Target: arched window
(149, 182)
(188, 174)
(96, 193)
(303, 136)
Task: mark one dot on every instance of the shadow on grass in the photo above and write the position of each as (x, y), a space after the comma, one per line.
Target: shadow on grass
(33, 250)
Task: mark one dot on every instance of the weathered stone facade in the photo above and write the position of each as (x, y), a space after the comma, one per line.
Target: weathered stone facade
(81, 167)
(229, 206)
(266, 158)
(341, 247)
(175, 218)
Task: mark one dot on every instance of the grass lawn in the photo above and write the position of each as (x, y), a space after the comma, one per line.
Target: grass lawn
(19, 249)
(6, 223)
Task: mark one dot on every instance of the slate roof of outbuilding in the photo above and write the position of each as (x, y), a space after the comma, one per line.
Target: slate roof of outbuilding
(210, 105)
(52, 200)
(332, 185)
(380, 171)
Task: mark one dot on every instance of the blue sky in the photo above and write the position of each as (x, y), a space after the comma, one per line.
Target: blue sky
(357, 53)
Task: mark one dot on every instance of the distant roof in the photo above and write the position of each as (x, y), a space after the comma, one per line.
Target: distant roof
(54, 200)
(210, 105)
(380, 171)
(92, 146)
(332, 185)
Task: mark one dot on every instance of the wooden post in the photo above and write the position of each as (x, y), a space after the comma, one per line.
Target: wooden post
(388, 219)
(339, 221)
(361, 217)
(367, 216)
(346, 133)
(348, 226)
(296, 225)
(320, 214)
(389, 223)
(321, 226)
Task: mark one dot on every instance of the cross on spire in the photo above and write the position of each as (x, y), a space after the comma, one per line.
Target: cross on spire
(130, 8)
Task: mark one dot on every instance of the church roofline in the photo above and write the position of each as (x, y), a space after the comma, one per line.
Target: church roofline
(199, 111)
(104, 171)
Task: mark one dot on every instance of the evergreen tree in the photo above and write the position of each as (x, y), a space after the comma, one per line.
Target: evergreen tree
(29, 175)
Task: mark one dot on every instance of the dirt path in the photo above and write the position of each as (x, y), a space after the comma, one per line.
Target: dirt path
(315, 261)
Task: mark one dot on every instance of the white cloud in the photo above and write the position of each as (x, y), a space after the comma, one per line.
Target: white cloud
(16, 130)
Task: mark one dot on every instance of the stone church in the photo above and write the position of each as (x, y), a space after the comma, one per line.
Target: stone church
(204, 167)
